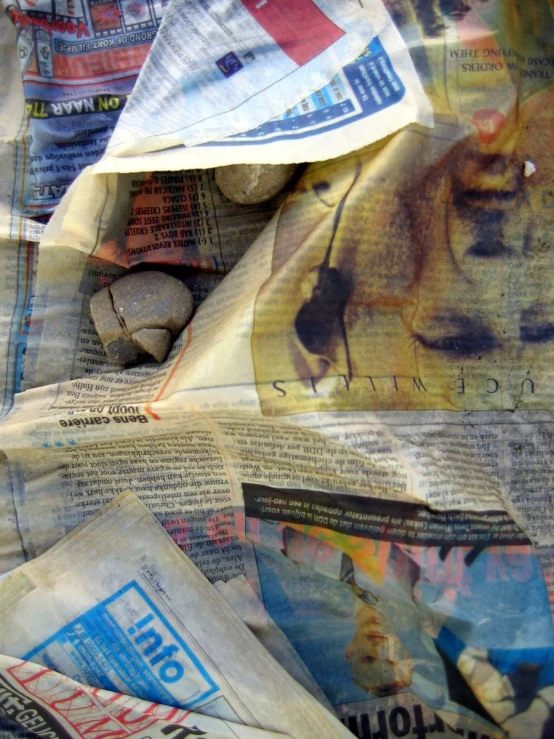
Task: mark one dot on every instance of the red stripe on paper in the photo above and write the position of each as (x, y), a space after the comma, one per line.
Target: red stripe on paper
(297, 26)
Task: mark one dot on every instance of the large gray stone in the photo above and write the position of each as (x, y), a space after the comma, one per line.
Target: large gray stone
(253, 183)
(154, 341)
(137, 316)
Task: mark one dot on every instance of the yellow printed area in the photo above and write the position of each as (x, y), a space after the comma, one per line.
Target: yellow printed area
(417, 274)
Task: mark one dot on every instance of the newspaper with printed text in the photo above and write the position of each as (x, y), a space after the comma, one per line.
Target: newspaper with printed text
(153, 627)
(354, 434)
(45, 703)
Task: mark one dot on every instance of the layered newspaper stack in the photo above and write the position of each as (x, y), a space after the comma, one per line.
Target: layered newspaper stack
(351, 443)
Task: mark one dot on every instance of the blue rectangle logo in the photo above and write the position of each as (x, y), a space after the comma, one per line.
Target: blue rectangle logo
(229, 64)
(125, 644)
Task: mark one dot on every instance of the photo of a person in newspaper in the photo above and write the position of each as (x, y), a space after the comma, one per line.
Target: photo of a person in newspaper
(428, 14)
(414, 267)
(380, 664)
(373, 618)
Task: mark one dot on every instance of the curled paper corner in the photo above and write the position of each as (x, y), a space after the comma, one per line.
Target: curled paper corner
(529, 168)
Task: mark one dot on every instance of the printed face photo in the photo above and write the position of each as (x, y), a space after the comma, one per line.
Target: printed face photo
(380, 664)
(374, 618)
(430, 15)
(432, 293)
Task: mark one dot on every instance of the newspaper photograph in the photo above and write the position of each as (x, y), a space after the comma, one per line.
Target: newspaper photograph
(453, 335)
(407, 601)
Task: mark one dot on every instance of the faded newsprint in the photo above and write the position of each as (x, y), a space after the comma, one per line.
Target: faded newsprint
(140, 618)
(38, 701)
(355, 430)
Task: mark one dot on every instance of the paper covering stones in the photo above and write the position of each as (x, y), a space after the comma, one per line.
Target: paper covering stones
(138, 316)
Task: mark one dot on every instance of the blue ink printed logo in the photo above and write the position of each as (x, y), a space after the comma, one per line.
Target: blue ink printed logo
(126, 644)
(152, 644)
(229, 64)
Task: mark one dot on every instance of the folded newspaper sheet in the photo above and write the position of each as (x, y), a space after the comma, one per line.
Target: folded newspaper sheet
(216, 70)
(358, 418)
(46, 704)
(117, 605)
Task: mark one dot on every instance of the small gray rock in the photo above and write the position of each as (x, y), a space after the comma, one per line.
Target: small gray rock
(137, 316)
(253, 183)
